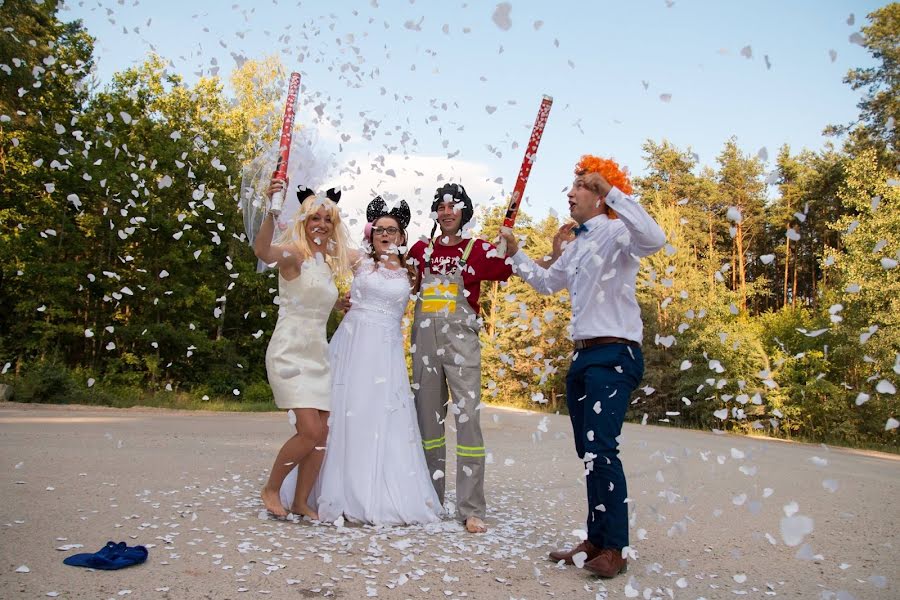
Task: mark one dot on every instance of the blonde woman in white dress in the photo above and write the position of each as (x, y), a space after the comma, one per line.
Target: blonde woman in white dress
(308, 257)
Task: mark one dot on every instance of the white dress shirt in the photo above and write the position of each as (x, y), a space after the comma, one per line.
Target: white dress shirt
(599, 268)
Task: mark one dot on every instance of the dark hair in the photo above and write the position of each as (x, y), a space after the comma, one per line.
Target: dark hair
(458, 193)
(374, 255)
(377, 208)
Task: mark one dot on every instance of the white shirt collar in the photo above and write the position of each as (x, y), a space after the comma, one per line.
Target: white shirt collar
(595, 222)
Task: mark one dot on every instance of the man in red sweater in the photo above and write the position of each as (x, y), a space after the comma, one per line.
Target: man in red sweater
(447, 351)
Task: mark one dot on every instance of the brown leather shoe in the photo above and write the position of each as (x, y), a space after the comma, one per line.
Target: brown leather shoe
(588, 548)
(608, 563)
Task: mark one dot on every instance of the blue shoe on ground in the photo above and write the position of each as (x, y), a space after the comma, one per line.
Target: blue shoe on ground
(109, 558)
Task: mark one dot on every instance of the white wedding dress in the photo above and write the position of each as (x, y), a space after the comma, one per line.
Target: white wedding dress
(374, 470)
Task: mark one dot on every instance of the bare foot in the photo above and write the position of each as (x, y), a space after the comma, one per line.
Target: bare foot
(305, 511)
(475, 525)
(272, 502)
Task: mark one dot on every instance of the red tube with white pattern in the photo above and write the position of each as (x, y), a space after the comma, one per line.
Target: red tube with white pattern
(284, 146)
(530, 151)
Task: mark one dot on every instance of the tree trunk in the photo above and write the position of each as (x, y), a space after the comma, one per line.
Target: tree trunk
(742, 265)
(220, 328)
(492, 315)
(795, 283)
(733, 266)
(813, 286)
(787, 264)
(712, 277)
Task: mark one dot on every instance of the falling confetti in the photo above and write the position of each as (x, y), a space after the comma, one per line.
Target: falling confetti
(501, 16)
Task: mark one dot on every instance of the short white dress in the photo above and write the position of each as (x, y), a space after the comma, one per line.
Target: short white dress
(297, 357)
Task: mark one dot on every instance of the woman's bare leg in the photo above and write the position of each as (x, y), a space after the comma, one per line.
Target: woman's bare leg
(308, 436)
(309, 472)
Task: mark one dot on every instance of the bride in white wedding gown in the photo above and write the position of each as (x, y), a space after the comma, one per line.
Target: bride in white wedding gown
(374, 470)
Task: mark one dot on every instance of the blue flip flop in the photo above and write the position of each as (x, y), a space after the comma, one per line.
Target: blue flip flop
(109, 558)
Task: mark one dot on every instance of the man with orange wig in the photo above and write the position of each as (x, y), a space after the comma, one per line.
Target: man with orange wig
(599, 267)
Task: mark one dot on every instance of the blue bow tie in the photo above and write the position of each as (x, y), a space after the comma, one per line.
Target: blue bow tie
(580, 229)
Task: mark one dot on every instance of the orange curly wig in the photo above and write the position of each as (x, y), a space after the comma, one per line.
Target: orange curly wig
(606, 167)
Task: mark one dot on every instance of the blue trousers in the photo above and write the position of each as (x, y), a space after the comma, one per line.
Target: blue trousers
(602, 378)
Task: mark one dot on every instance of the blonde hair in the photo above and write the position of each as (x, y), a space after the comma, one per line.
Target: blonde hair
(336, 248)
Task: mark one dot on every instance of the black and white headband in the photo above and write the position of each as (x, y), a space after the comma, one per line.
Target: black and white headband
(377, 209)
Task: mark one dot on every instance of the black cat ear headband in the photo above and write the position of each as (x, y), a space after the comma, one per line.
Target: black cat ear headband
(377, 209)
(304, 192)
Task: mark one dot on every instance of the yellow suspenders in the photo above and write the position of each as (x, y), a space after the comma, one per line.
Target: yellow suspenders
(440, 297)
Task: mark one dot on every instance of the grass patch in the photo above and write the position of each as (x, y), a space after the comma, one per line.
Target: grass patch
(51, 382)
(833, 442)
(172, 400)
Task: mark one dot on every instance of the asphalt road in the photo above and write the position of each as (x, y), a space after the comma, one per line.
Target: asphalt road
(706, 515)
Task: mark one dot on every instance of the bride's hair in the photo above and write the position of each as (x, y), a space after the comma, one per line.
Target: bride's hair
(373, 254)
(336, 248)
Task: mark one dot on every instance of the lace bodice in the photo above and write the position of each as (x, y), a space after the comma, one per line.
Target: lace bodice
(377, 289)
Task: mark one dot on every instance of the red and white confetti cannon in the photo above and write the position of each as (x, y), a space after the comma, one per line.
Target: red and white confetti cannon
(519, 190)
(284, 146)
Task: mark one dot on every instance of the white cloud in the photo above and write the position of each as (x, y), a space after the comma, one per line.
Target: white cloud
(322, 159)
(414, 179)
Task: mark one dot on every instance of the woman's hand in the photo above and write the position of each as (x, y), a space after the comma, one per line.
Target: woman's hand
(276, 185)
(262, 246)
(343, 304)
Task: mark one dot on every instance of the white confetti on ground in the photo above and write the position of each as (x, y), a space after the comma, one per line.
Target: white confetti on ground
(795, 528)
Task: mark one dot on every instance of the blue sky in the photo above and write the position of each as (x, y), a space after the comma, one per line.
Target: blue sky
(468, 87)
